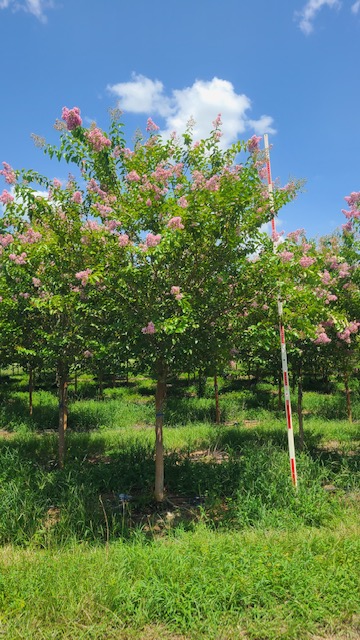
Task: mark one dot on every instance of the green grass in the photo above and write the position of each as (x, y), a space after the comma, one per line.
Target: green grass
(235, 552)
(202, 584)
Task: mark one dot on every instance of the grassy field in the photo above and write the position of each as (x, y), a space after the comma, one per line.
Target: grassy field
(233, 553)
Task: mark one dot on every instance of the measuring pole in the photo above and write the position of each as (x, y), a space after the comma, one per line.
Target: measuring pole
(290, 430)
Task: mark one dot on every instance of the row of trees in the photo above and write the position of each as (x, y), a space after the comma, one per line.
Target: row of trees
(156, 254)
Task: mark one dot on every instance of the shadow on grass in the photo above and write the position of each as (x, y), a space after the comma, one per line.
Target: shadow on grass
(236, 478)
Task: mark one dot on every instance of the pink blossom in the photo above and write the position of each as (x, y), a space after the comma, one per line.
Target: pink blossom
(265, 307)
(83, 276)
(198, 180)
(305, 246)
(175, 223)
(344, 335)
(213, 184)
(71, 117)
(132, 177)
(123, 240)
(91, 225)
(18, 259)
(306, 261)
(36, 282)
(322, 338)
(253, 144)
(98, 140)
(24, 295)
(353, 327)
(348, 227)
(87, 354)
(6, 239)
(175, 290)
(151, 126)
(353, 199)
(295, 235)
(152, 240)
(103, 209)
(286, 256)
(179, 296)
(148, 202)
(182, 202)
(343, 270)
(111, 225)
(8, 173)
(149, 329)
(326, 277)
(6, 197)
(56, 183)
(217, 122)
(275, 236)
(77, 197)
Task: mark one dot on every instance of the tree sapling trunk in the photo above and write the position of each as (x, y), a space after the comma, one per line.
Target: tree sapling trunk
(300, 409)
(31, 389)
(217, 405)
(159, 444)
(63, 417)
(348, 396)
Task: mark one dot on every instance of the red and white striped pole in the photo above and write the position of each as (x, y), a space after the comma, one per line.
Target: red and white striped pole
(290, 430)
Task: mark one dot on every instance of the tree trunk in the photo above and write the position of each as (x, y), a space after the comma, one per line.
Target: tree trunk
(201, 384)
(63, 417)
(217, 405)
(300, 409)
(101, 387)
(348, 396)
(31, 388)
(159, 445)
(75, 383)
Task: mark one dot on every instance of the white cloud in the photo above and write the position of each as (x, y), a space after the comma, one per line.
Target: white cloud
(356, 7)
(309, 12)
(35, 7)
(201, 102)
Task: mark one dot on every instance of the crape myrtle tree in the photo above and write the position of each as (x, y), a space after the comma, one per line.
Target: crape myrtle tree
(50, 277)
(341, 253)
(295, 271)
(157, 237)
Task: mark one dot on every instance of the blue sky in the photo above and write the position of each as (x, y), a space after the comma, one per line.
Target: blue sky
(287, 67)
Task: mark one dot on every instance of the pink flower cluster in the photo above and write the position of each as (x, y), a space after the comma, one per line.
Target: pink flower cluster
(6, 239)
(322, 337)
(56, 183)
(295, 235)
(353, 201)
(151, 126)
(149, 329)
(133, 176)
(213, 184)
(175, 291)
(123, 240)
(112, 225)
(18, 259)
(348, 331)
(77, 197)
(175, 223)
(98, 140)
(71, 117)
(306, 261)
(6, 197)
(286, 256)
(36, 282)
(152, 240)
(30, 236)
(253, 144)
(8, 173)
(87, 354)
(182, 202)
(83, 276)
(91, 225)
